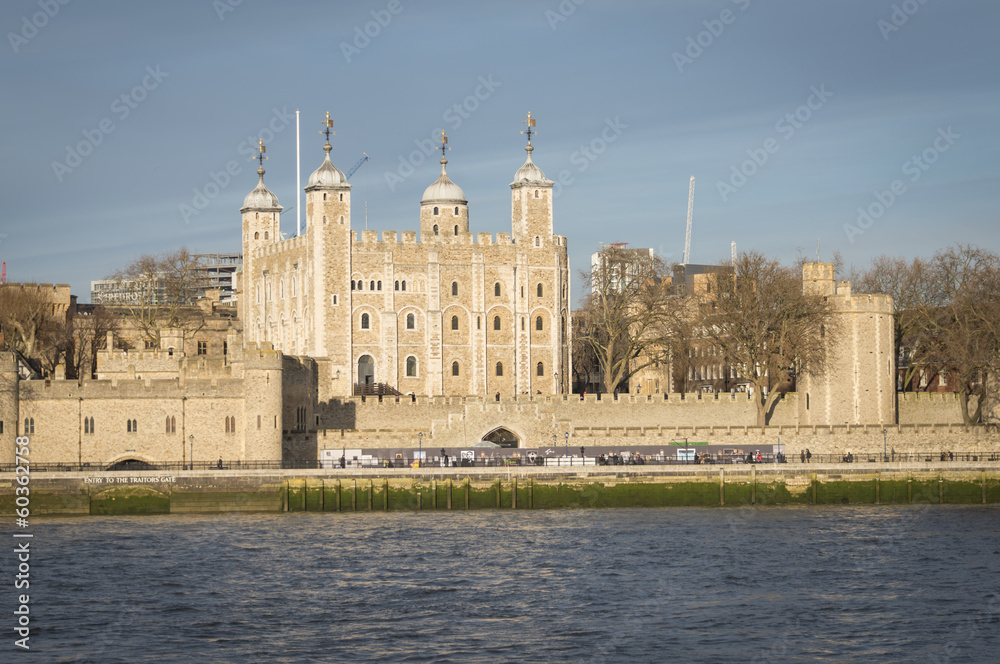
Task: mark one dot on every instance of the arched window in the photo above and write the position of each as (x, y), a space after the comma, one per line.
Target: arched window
(539, 290)
(496, 322)
(411, 366)
(435, 229)
(499, 368)
(265, 235)
(371, 286)
(364, 321)
(341, 197)
(454, 322)
(227, 419)
(410, 322)
(404, 285)
(822, 331)
(541, 369)
(536, 193)
(456, 210)
(256, 235)
(397, 284)
(353, 284)
(324, 196)
(479, 323)
(456, 229)
(538, 241)
(378, 285)
(454, 288)
(496, 289)
(538, 323)
(435, 214)
(454, 368)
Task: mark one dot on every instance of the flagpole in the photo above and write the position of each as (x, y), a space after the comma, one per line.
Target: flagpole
(298, 179)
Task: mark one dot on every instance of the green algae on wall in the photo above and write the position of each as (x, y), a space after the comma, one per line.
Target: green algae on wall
(130, 500)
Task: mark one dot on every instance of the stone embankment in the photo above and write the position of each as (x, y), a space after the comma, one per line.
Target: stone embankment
(377, 489)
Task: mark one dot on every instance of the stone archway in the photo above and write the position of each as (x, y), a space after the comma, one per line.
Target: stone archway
(366, 370)
(131, 464)
(503, 437)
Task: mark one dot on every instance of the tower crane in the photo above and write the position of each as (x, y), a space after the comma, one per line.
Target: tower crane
(358, 165)
(687, 235)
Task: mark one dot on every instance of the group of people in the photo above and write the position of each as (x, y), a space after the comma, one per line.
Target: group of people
(805, 455)
(615, 459)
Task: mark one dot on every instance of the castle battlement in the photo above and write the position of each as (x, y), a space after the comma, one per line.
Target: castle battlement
(278, 248)
(124, 388)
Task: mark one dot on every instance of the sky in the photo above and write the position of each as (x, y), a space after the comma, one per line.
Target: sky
(864, 127)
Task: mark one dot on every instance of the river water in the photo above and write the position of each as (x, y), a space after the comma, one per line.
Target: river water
(789, 584)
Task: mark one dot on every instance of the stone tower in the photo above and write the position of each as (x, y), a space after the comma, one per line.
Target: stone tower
(856, 385)
(261, 227)
(531, 201)
(444, 212)
(328, 214)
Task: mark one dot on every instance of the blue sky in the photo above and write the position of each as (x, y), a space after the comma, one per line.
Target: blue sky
(792, 115)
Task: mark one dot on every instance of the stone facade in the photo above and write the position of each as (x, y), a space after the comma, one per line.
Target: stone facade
(147, 407)
(448, 313)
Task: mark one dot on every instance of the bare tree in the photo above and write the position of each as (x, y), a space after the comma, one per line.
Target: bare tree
(629, 315)
(766, 327)
(960, 319)
(89, 335)
(30, 325)
(911, 288)
(159, 292)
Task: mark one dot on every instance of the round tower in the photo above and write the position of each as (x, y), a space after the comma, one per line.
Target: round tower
(261, 226)
(444, 211)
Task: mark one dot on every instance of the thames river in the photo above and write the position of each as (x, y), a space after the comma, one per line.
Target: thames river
(790, 584)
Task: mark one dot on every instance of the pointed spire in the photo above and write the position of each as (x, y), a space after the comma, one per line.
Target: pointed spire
(443, 189)
(261, 197)
(529, 171)
(327, 175)
(327, 129)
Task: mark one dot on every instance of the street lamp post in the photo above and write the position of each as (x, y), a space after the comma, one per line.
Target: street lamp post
(191, 438)
(567, 444)
(420, 447)
(885, 456)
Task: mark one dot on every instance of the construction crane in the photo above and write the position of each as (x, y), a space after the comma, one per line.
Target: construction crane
(687, 235)
(358, 165)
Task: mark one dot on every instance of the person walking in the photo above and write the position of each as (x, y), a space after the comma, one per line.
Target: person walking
(808, 455)
(802, 456)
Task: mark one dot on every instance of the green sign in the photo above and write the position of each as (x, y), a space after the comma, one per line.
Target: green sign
(675, 444)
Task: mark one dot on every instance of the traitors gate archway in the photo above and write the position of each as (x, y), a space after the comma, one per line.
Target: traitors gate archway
(502, 437)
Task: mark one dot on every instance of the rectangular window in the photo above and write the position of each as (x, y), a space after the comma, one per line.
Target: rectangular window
(203, 348)
(1, 427)
(258, 421)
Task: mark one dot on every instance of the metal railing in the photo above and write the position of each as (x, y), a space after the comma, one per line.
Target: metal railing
(508, 461)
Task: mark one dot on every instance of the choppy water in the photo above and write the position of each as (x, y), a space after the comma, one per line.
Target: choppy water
(845, 584)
